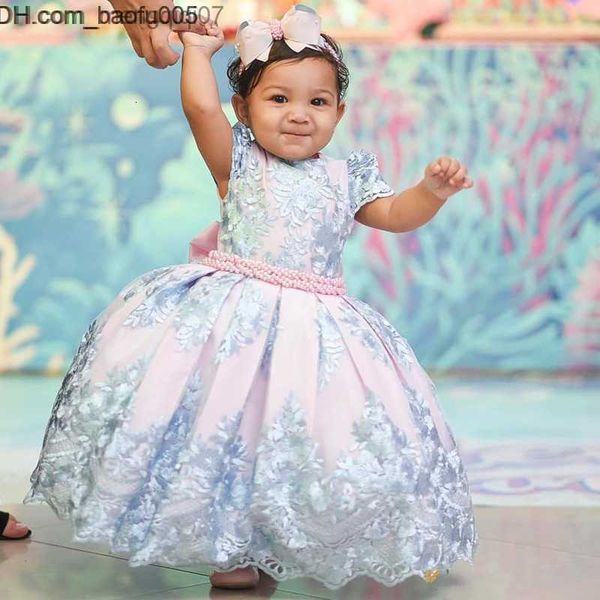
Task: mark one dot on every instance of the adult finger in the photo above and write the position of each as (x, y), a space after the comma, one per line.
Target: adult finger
(165, 55)
(148, 52)
(133, 32)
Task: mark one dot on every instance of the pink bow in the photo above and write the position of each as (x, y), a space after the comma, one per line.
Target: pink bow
(205, 241)
(300, 27)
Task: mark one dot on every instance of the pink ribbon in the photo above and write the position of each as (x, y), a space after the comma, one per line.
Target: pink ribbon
(299, 27)
(204, 242)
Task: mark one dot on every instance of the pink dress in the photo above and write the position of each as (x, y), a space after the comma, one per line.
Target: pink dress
(212, 416)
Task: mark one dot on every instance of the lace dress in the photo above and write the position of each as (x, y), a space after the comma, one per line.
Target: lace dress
(212, 417)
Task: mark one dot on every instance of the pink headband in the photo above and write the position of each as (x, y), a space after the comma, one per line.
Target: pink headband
(300, 27)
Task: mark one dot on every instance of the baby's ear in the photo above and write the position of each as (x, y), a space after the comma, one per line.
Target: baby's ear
(341, 110)
(240, 107)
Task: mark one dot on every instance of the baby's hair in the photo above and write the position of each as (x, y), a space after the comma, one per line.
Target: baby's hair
(243, 83)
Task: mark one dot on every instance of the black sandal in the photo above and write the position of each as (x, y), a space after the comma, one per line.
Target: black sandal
(4, 518)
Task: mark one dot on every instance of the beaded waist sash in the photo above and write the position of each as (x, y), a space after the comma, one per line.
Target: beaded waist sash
(278, 275)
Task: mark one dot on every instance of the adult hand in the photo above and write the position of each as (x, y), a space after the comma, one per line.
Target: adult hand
(151, 41)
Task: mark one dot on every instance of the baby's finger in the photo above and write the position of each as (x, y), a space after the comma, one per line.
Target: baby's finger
(211, 26)
(437, 166)
(458, 176)
(445, 164)
(467, 183)
(454, 168)
(433, 168)
(217, 32)
(197, 26)
(214, 30)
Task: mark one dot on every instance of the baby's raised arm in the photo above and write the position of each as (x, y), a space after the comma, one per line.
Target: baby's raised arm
(202, 105)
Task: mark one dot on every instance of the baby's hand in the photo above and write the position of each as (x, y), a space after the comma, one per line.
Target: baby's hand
(446, 176)
(210, 37)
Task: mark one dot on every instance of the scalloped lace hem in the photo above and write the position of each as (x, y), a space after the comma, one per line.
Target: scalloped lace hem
(388, 582)
(263, 564)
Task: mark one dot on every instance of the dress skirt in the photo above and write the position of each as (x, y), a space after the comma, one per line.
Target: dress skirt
(213, 418)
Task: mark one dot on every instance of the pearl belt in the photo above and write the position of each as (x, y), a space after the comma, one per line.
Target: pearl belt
(272, 274)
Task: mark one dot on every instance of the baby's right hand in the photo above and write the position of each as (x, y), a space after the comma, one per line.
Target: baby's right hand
(211, 40)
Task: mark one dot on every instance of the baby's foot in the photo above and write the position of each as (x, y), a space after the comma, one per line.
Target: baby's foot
(246, 577)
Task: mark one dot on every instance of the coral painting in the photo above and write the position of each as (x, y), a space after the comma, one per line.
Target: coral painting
(100, 181)
(16, 346)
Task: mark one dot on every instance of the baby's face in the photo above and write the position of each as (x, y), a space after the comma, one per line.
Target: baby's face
(293, 110)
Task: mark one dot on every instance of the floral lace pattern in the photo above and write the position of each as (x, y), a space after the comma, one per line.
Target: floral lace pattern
(383, 330)
(211, 417)
(391, 508)
(331, 346)
(295, 214)
(246, 218)
(247, 323)
(198, 313)
(364, 179)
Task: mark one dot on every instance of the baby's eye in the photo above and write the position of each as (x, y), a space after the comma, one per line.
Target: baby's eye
(321, 101)
(276, 98)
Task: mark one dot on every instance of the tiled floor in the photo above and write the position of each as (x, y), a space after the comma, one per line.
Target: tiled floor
(532, 453)
(524, 554)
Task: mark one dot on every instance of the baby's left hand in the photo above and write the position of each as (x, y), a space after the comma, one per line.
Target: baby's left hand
(446, 176)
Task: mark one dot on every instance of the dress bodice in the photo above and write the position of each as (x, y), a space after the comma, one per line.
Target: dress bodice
(295, 214)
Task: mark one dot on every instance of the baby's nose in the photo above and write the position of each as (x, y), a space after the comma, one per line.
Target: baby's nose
(298, 115)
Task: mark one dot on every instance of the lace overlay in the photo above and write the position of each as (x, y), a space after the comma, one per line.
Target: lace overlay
(364, 180)
(391, 508)
(295, 214)
(212, 417)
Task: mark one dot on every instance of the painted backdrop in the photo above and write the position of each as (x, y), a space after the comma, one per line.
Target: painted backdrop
(100, 181)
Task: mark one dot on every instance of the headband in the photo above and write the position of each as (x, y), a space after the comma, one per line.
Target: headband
(300, 28)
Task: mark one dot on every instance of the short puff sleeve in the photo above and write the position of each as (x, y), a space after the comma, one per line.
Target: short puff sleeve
(365, 182)
(242, 142)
